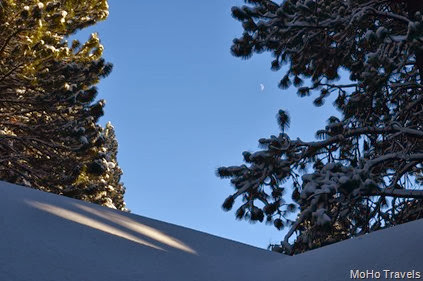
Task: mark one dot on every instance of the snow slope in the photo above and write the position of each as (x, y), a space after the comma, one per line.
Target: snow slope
(48, 237)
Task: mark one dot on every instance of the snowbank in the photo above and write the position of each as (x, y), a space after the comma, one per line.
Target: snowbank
(48, 237)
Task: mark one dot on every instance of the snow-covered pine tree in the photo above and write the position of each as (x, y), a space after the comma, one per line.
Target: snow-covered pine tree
(49, 136)
(99, 179)
(367, 169)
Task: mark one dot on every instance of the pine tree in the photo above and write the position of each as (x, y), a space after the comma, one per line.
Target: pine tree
(99, 179)
(49, 136)
(365, 171)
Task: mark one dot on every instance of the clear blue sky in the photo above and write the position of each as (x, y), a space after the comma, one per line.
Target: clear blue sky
(182, 106)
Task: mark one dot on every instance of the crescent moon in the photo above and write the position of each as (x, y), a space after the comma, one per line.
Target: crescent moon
(262, 87)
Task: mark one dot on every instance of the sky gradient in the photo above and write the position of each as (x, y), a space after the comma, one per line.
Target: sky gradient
(182, 106)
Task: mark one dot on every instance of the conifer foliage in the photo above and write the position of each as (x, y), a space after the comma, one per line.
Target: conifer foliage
(365, 171)
(49, 136)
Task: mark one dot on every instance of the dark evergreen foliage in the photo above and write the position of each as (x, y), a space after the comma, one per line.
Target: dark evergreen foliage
(366, 168)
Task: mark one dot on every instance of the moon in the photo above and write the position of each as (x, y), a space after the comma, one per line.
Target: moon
(262, 87)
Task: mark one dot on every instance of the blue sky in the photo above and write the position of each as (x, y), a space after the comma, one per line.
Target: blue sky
(182, 106)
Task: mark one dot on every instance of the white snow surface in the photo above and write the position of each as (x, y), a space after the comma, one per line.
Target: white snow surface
(49, 237)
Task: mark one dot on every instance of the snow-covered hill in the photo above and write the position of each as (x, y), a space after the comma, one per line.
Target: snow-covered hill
(48, 237)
